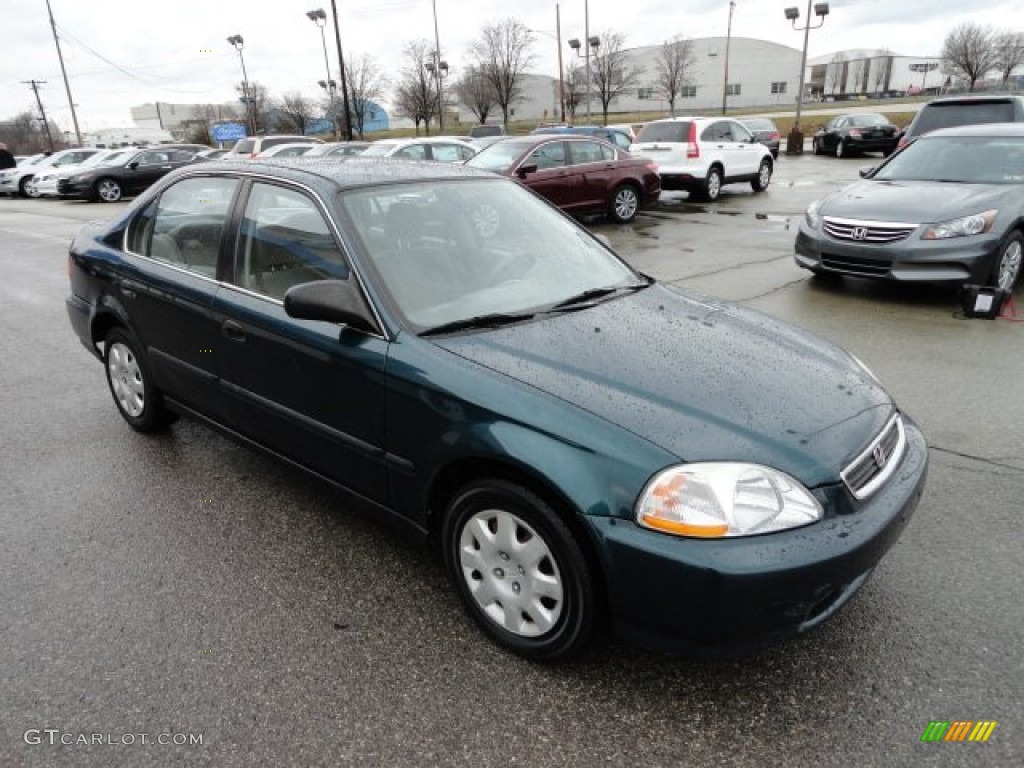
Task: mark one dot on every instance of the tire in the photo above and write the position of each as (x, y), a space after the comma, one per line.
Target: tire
(23, 186)
(711, 190)
(624, 204)
(519, 571)
(841, 149)
(108, 190)
(131, 384)
(1007, 267)
(816, 147)
(764, 176)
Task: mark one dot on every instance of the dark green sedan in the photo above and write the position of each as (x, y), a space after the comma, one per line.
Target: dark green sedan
(583, 445)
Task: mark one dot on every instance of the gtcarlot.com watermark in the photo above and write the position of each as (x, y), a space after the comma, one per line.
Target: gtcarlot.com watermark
(57, 737)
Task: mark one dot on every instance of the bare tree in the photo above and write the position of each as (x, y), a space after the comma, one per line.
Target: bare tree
(1009, 53)
(883, 70)
(611, 72)
(297, 109)
(836, 71)
(366, 84)
(416, 90)
(675, 59)
(969, 51)
(475, 91)
(258, 100)
(197, 128)
(574, 88)
(502, 54)
(21, 135)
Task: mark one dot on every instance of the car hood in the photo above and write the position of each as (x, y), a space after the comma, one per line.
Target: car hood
(911, 201)
(702, 380)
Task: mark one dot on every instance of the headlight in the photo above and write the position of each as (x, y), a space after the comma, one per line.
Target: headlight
(811, 215)
(962, 227)
(724, 499)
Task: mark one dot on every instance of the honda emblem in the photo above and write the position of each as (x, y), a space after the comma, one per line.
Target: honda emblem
(859, 233)
(879, 453)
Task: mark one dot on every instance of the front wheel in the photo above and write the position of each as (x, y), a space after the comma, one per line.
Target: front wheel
(108, 190)
(519, 571)
(625, 204)
(816, 147)
(841, 149)
(764, 177)
(1008, 265)
(131, 384)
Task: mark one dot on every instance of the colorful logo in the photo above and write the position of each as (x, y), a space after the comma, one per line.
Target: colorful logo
(959, 730)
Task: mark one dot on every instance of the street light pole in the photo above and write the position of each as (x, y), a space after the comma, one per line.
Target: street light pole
(341, 70)
(728, 40)
(586, 35)
(561, 71)
(319, 18)
(437, 72)
(795, 140)
(239, 43)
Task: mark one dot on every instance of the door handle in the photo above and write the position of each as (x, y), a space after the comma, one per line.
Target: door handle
(129, 288)
(165, 167)
(233, 331)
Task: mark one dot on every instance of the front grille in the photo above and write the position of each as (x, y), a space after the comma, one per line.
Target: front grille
(876, 232)
(62, 185)
(876, 463)
(853, 265)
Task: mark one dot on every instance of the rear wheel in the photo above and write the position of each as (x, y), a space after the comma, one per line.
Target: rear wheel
(816, 146)
(841, 149)
(764, 176)
(625, 204)
(1008, 265)
(23, 186)
(131, 384)
(519, 571)
(711, 189)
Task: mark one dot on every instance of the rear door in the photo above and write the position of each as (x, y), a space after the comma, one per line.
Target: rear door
(594, 170)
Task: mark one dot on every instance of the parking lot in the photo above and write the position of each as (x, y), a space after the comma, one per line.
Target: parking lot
(186, 585)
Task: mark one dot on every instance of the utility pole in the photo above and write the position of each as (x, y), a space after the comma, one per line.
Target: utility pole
(437, 72)
(46, 123)
(64, 72)
(728, 39)
(586, 42)
(561, 71)
(341, 70)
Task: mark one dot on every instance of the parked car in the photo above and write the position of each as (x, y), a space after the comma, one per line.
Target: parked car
(619, 138)
(46, 183)
(480, 131)
(440, 149)
(947, 208)
(577, 174)
(577, 440)
(764, 131)
(246, 149)
(856, 133)
(10, 178)
(124, 175)
(290, 149)
(338, 149)
(22, 180)
(969, 109)
(702, 154)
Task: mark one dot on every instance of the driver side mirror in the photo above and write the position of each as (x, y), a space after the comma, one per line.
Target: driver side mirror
(333, 301)
(133, 165)
(865, 173)
(524, 170)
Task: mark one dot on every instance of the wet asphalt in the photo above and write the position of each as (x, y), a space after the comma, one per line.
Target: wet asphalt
(183, 585)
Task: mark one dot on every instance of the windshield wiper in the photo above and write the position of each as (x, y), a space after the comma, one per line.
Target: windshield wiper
(492, 320)
(586, 298)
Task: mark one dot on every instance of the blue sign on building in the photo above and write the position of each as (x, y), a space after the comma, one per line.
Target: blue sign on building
(227, 132)
(318, 126)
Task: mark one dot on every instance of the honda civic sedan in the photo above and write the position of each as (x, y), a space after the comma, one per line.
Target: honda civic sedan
(948, 208)
(583, 445)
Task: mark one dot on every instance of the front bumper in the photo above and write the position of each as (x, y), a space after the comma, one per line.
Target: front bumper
(720, 597)
(956, 260)
(67, 188)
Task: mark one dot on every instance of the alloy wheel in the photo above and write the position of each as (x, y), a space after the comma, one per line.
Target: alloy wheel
(126, 380)
(1009, 265)
(625, 204)
(109, 191)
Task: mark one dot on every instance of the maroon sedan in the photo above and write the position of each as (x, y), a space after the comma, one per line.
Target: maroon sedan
(579, 174)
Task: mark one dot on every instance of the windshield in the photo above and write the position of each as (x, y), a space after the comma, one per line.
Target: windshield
(671, 130)
(968, 159)
(866, 120)
(451, 250)
(500, 155)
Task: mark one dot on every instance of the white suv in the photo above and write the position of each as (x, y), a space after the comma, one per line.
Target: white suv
(700, 154)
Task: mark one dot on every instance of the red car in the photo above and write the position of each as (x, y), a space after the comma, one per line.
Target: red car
(577, 173)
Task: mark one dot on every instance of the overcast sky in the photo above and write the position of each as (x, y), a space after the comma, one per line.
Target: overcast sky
(121, 53)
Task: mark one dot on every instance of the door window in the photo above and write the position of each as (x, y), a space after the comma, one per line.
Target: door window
(587, 152)
(739, 133)
(413, 152)
(183, 226)
(284, 241)
(548, 156)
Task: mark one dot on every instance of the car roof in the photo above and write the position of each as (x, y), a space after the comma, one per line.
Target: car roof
(346, 172)
(1012, 130)
(975, 98)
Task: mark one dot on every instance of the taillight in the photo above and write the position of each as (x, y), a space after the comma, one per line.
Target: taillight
(774, 135)
(692, 148)
(652, 167)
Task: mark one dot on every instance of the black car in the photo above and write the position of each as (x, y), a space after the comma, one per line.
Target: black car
(764, 131)
(969, 109)
(853, 134)
(123, 178)
(947, 208)
(578, 441)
